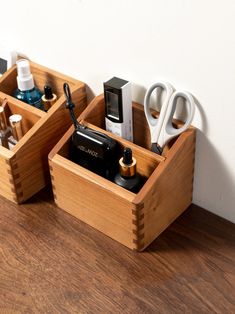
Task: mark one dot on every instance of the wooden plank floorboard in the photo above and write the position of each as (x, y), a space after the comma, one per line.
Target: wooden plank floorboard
(52, 263)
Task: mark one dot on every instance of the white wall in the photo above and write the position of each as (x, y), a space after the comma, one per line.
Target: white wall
(189, 43)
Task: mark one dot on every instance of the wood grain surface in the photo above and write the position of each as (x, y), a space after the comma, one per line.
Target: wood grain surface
(52, 263)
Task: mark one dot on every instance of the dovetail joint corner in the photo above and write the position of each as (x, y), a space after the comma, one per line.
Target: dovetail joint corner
(138, 227)
(15, 180)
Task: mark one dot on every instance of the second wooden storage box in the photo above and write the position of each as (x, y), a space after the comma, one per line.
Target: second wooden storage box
(134, 220)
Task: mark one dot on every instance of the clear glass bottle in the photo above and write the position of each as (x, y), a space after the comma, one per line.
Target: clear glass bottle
(128, 177)
(16, 130)
(27, 91)
(5, 131)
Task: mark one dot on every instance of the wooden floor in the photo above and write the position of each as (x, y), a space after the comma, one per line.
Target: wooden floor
(52, 263)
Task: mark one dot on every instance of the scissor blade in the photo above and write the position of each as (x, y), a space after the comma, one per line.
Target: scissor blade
(156, 148)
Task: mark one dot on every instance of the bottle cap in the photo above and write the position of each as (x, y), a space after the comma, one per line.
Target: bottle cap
(16, 126)
(127, 164)
(48, 99)
(24, 78)
(48, 92)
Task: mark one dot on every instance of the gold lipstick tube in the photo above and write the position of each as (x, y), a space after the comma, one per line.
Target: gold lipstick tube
(16, 126)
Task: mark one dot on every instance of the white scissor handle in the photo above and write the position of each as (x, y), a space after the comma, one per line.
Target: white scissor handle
(168, 131)
(155, 125)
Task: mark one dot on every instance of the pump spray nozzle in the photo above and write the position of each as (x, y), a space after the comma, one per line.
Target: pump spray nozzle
(70, 105)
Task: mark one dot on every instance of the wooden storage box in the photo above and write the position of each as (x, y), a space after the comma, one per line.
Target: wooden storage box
(134, 220)
(24, 170)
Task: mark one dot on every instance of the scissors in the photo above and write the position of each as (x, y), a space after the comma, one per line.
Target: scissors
(161, 128)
